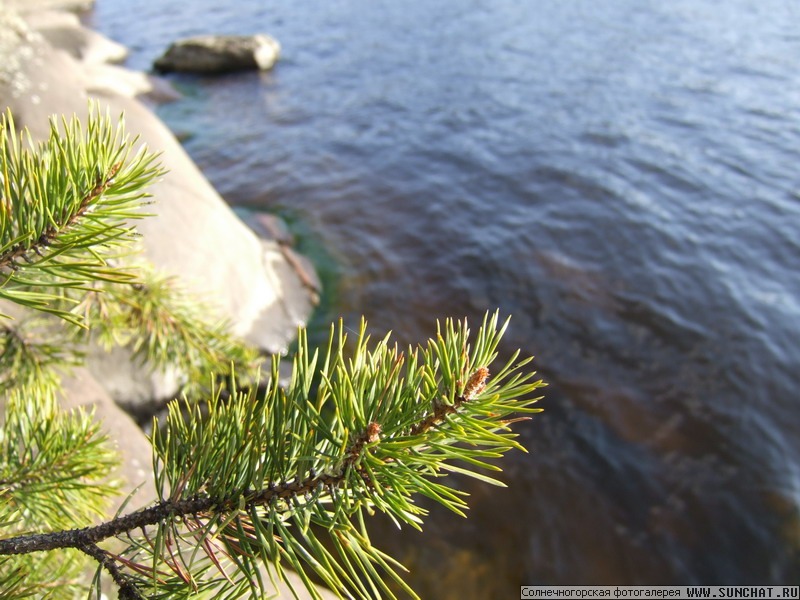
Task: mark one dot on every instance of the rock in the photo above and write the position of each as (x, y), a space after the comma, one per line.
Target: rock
(220, 54)
(31, 6)
(305, 272)
(272, 228)
(79, 42)
(269, 227)
(41, 19)
(139, 393)
(94, 51)
(197, 237)
(80, 389)
(111, 79)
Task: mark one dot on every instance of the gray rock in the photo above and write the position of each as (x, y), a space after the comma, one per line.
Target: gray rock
(30, 6)
(135, 471)
(220, 54)
(94, 51)
(138, 393)
(79, 42)
(272, 228)
(269, 227)
(112, 79)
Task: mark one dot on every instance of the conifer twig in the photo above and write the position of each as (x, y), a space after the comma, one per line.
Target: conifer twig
(9, 259)
(65, 208)
(164, 510)
(234, 509)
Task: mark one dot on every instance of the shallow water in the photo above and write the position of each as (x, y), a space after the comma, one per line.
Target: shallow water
(621, 177)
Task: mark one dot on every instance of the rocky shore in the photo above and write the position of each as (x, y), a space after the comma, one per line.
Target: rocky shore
(51, 64)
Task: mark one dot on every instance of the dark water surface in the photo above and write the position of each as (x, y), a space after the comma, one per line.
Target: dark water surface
(623, 177)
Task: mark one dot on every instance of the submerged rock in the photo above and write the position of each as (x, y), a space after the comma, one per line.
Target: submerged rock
(220, 54)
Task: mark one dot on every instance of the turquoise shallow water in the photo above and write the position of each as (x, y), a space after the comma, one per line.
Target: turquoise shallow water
(621, 177)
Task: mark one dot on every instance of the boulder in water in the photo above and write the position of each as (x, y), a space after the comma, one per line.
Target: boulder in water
(220, 54)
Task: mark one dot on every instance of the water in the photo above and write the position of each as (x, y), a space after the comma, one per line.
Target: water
(621, 177)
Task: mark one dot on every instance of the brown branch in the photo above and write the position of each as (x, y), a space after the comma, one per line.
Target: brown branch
(127, 591)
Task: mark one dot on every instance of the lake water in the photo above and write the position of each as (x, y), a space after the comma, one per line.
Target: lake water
(622, 177)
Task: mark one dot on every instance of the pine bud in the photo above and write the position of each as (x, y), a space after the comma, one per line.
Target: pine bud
(476, 383)
(373, 432)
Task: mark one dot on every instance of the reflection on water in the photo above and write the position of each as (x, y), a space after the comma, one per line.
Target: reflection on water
(622, 179)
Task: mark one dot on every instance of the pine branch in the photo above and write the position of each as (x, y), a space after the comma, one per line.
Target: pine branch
(194, 506)
(65, 206)
(260, 476)
(12, 257)
(248, 484)
(31, 352)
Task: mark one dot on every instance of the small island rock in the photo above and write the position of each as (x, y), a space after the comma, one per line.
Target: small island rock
(220, 54)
